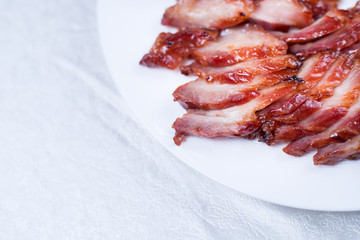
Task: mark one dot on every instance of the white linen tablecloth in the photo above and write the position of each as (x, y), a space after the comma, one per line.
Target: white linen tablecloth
(75, 164)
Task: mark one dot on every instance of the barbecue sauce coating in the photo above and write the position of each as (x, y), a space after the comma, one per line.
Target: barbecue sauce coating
(170, 48)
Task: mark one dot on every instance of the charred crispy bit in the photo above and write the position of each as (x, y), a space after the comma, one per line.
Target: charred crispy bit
(234, 121)
(343, 38)
(343, 130)
(295, 79)
(202, 94)
(213, 14)
(335, 153)
(282, 14)
(331, 22)
(244, 71)
(169, 48)
(237, 44)
(312, 70)
(332, 109)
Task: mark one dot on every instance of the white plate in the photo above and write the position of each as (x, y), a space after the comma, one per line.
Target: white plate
(128, 30)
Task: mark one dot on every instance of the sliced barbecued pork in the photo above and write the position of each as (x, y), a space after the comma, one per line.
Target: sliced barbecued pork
(332, 109)
(335, 153)
(282, 14)
(332, 21)
(212, 14)
(169, 48)
(343, 130)
(320, 7)
(238, 44)
(343, 38)
(354, 48)
(312, 70)
(202, 94)
(244, 71)
(239, 120)
(322, 90)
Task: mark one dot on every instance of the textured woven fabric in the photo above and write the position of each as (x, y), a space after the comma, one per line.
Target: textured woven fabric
(76, 165)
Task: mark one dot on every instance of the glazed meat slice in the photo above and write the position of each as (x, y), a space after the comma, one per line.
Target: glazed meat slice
(211, 14)
(282, 14)
(169, 48)
(324, 89)
(238, 44)
(202, 94)
(343, 38)
(338, 71)
(343, 130)
(244, 71)
(238, 120)
(354, 48)
(312, 70)
(333, 109)
(335, 153)
(320, 7)
(334, 20)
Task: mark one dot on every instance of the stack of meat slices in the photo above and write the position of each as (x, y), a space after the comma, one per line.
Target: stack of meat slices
(250, 82)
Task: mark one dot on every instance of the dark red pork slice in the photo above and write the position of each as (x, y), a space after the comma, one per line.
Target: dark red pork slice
(239, 120)
(333, 77)
(334, 20)
(282, 14)
(211, 14)
(244, 71)
(354, 48)
(343, 130)
(324, 89)
(202, 94)
(238, 44)
(335, 153)
(332, 109)
(312, 70)
(169, 48)
(343, 38)
(320, 7)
